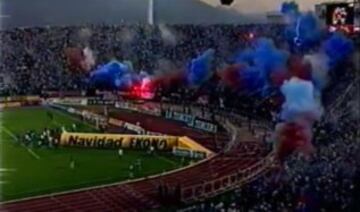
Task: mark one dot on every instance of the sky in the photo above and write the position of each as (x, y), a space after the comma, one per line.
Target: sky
(261, 6)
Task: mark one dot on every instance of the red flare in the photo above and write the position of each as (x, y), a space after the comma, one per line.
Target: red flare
(145, 90)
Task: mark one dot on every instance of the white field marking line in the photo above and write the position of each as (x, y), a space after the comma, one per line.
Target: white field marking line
(14, 137)
(71, 117)
(7, 170)
(2, 170)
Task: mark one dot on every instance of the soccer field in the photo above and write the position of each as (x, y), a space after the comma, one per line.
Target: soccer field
(27, 171)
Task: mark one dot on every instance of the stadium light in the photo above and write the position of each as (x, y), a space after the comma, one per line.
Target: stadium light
(151, 12)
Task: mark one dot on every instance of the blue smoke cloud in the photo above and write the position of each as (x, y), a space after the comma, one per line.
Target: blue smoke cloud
(199, 69)
(300, 99)
(251, 79)
(261, 61)
(245, 56)
(337, 48)
(304, 31)
(268, 58)
(290, 8)
(113, 75)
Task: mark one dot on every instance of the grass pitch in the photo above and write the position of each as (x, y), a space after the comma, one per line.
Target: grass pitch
(26, 172)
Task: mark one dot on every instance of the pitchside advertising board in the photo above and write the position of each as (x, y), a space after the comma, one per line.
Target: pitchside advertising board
(148, 108)
(98, 101)
(9, 104)
(69, 101)
(116, 141)
(18, 101)
(192, 121)
(188, 153)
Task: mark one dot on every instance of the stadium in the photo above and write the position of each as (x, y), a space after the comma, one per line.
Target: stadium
(189, 106)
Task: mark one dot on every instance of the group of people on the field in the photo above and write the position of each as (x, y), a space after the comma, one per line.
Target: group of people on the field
(46, 138)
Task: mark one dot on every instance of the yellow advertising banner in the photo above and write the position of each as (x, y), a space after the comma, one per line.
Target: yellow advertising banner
(10, 104)
(116, 141)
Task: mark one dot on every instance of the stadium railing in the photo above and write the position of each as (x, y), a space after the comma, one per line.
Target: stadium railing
(229, 182)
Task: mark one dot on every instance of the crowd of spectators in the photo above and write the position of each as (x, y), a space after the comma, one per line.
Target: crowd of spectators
(327, 181)
(34, 59)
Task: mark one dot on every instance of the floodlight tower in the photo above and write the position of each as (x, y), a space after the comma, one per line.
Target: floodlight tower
(357, 12)
(150, 12)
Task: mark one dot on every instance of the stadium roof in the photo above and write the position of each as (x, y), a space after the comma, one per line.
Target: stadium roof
(25, 13)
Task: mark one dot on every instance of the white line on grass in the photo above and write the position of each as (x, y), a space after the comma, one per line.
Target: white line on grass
(71, 117)
(3, 171)
(7, 170)
(14, 137)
